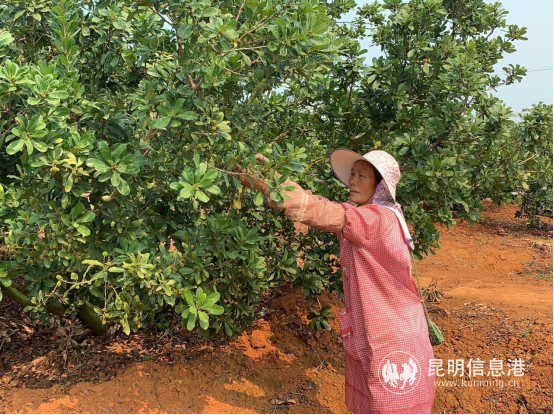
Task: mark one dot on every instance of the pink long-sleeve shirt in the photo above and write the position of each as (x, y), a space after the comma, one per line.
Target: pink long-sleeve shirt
(384, 330)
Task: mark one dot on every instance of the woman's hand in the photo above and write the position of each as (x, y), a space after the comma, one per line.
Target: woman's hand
(253, 181)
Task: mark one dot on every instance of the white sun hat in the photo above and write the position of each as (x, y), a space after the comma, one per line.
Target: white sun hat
(343, 160)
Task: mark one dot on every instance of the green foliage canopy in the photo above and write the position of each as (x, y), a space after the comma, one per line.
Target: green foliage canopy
(120, 122)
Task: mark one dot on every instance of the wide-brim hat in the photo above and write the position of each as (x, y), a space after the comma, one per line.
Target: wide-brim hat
(343, 160)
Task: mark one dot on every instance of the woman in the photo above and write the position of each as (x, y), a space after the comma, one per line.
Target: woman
(383, 326)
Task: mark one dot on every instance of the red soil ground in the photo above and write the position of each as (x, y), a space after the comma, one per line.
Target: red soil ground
(496, 278)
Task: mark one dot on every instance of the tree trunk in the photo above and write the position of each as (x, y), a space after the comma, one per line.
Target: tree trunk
(91, 320)
(86, 315)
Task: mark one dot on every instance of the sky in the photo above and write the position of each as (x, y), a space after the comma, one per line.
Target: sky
(535, 54)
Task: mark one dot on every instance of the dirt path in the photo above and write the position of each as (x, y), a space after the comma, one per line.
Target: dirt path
(496, 278)
(496, 262)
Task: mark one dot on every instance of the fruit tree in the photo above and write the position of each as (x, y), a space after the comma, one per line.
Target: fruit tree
(121, 123)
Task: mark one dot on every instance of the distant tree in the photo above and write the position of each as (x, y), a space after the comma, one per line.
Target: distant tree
(533, 140)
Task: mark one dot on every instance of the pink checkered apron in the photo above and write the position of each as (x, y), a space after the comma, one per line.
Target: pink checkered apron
(383, 326)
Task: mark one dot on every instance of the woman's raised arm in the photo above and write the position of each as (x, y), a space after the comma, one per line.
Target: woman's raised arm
(302, 205)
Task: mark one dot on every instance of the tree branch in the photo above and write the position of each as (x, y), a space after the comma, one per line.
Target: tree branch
(235, 73)
(194, 85)
(521, 163)
(169, 22)
(240, 10)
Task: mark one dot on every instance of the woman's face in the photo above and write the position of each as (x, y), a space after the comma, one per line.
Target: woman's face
(362, 182)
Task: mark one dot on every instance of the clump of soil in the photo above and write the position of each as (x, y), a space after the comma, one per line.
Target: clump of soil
(495, 302)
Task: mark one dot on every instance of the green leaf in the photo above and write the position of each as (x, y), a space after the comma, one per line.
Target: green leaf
(200, 297)
(104, 177)
(119, 25)
(5, 38)
(15, 146)
(96, 292)
(208, 178)
(186, 191)
(76, 211)
(188, 175)
(126, 328)
(115, 178)
(214, 190)
(184, 31)
(205, 181)
(258, 199)
(188, 116)
(104, 150)
(320, 28)
(29, 146)
(215, 310)
(209, 12)
(199, 173)
(87, 217)
(189, 298)
(119, 152)
(200, 195)
(246, 60)
(123, 187)
(170, 299)
(231, 34)
(228, 330)
(204, 323)
(133, 169)
(36, 127)
(59, 94)
(83, 230)
(192, 321)
(49, 283)
(159, 123)
(211, 299)
(426, 68)
(98, 165)
(66, 221)
(33, 101)
(41, 147)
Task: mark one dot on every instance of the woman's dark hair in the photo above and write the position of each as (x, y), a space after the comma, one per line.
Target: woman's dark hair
(376, 173)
